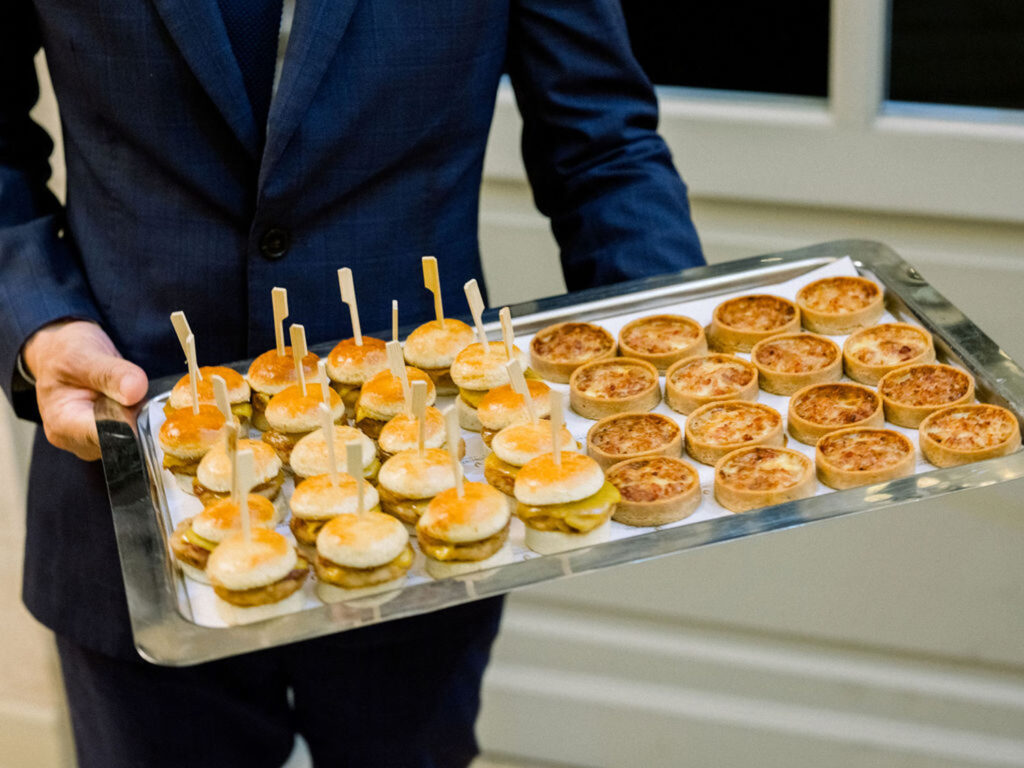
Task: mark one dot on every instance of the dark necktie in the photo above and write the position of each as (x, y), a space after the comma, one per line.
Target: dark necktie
(253, 27)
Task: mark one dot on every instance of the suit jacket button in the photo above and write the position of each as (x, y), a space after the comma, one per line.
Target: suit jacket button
(275, 243)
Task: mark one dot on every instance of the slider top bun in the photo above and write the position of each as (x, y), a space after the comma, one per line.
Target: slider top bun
(214, 470)
(482, 512)
(517, 444)
(238, 564)
(432, 347)
(309, 456)
(187, 435)
(270, 372)
(382, 397)
(238, 389)
(291, 411)
(219, 520)
(417, 477)
(350, 363)
(541, 482)
(479, 368)
(502, 406)
(324, 496)
(369, 540)
(403, 432)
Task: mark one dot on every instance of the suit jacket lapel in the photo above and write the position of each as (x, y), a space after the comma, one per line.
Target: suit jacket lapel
(316, 31)
(198, 30)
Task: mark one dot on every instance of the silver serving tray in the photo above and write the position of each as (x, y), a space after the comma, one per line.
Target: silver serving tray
(165, 635)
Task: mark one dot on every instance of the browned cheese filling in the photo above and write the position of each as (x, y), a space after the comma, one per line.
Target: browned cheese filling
(370, 427)
(306, 529)
(927, 385)
(712, 377)
(185, 550)
(971, 429)
(272, 593)
(660, 335)
(865, 450)
(836, 405)
(634, 433)
(270, 489)
(282, 442)
(888, 345)
(500, 474)
(181, 466)
(649, 480)
(463, 552)
(839, 295)
(330, 572)
(764, 469)
(406, 510)
(797, 354)
(613, 381)
(756, 313)
(734, 423)
(571, 343)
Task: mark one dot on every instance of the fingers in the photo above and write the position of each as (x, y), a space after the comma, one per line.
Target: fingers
(69, 423)
(114, 376)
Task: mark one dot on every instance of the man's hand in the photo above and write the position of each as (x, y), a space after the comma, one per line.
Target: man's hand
(73, 364)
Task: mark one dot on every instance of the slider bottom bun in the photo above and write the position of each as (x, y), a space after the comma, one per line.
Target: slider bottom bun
(191, 572)
(552, 542)
(468, 417)
(184, 482)
(237, 614)
(329, 593)
(444, 569)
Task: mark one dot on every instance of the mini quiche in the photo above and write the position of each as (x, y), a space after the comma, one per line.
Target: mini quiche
(633, 435)
(655, 490)
(760, 476)
(912, 392)
(816, 410)
(738, 324)
(697, 381)
(662, 339)
(961, 434)
(616, 385)
(848, 458)
(838, 305)
(792, 361)
(871, 353)
(715, 429)
(558, 350)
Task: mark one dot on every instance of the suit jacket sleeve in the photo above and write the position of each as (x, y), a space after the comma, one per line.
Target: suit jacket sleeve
(598, 168)
(40, 277)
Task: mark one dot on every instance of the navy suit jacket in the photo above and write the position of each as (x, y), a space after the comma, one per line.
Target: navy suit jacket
(373, 158)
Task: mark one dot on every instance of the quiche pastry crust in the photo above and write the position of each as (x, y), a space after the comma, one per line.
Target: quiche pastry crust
(816, 410)
(737, 324)
(872, 352)
(912, 392)
(716, 429)
(791, 361)
(961, 434)
(696, 381)
(848, 458)
(662, 339)
(605, 387)
(761, 476)
(838, 305)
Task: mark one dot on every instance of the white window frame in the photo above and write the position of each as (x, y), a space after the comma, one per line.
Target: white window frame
(854, 150)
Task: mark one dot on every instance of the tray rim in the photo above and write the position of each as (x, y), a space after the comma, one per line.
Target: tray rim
(163, 636)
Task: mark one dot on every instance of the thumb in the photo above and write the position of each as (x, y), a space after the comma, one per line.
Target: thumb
(116, 378)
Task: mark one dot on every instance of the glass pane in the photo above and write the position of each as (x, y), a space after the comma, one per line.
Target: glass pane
(957, 52)
(738, 46)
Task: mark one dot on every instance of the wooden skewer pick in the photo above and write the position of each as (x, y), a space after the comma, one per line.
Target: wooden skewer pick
(354, 462)
(325, 385)
(348, 295)
(520, 386)
(279, 298)
(299, 352)
(231, 449)
(432, 282)
(394, 320)
(245, 471)
(452, 436)
(419, 410)
(557, 422)
(220, 396)
(507, 334)
(182, 328)
(396, 362)
(476, 308)
(193, 371)
(327, 425)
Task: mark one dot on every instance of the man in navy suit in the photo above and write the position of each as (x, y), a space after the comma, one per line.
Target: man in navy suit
(191, 187)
